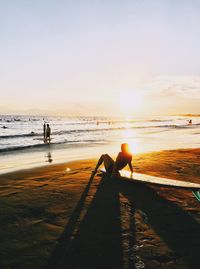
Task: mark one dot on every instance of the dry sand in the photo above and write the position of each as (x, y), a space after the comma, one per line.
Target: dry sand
(54, 218)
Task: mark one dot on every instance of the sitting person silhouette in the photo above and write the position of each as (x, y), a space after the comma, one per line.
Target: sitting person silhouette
(112, 167)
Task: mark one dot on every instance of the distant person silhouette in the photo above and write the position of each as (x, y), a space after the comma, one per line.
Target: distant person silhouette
(44, 131)
(112, 167)
(48, 133)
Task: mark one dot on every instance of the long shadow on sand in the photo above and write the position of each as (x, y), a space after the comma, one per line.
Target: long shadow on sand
(175, 226)
(98, 242)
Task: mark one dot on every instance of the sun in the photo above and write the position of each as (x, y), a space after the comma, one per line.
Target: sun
(130, 102)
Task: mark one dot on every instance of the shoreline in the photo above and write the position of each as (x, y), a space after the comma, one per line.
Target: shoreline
(83, 139)
(33, 159)
(136, 158)
(55, 217)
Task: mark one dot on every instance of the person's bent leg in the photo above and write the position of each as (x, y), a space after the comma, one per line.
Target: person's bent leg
(100, 161)
(107, 161)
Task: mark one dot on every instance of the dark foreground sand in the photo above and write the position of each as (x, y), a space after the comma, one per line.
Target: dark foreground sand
(54, 218)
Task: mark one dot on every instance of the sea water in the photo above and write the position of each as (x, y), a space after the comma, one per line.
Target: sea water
(73, 138)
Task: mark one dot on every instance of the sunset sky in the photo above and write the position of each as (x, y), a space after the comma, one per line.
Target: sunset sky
(100, 57)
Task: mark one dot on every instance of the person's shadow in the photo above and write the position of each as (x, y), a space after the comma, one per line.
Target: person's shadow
(178, 229)
(98, 241)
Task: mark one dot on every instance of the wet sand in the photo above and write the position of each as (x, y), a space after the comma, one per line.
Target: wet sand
(53, 217)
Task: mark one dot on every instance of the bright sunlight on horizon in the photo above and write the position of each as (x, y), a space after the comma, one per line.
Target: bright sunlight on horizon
(100, 58)
(131, 103)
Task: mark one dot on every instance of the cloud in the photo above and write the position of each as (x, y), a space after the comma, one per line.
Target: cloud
(173, 86)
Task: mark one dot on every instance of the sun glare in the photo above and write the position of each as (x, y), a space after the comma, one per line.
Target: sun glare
(130, 137)
(130, 102)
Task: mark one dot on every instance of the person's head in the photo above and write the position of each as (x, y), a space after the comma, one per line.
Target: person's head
(47, 125)
(125, 148)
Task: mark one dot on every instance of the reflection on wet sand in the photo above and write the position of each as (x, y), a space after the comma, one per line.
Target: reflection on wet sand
(49, 157)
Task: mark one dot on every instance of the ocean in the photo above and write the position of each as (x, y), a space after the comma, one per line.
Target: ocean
(22, 145)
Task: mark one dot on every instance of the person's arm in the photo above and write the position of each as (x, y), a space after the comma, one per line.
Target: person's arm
(114, 171)
(130, 166)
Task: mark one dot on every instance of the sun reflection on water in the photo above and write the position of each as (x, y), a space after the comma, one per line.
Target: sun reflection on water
(135, 143)
(129, 136)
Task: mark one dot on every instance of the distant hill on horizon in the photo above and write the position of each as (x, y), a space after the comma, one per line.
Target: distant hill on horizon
(189, 115)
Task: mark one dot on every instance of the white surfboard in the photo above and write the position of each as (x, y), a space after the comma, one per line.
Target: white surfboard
(131, 177)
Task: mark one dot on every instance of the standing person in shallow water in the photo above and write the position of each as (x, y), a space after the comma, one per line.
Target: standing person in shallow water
(44, 132)
(112, 167)
(48, 133)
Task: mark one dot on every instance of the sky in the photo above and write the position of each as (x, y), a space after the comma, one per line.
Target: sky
(99, 57)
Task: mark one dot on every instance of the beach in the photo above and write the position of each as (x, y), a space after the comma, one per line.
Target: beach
(92, 83)
(58, 216)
